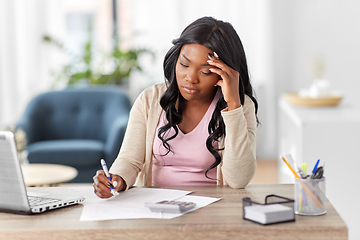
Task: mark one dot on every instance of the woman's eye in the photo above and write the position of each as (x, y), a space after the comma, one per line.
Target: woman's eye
(183, 64)
(207, 73)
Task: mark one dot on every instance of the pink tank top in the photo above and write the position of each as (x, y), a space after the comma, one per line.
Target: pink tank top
(189, 159)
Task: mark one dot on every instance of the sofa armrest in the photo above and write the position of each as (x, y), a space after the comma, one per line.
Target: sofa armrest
(27, 126)
(115, 138)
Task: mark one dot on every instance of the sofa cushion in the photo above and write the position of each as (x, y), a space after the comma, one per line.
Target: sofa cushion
(67, 152)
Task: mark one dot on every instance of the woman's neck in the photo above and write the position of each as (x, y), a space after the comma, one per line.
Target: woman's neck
(193, 112)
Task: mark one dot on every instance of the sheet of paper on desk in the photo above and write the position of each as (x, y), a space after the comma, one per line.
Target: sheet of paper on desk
(130, 204)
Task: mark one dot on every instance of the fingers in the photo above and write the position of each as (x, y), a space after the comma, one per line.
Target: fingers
(226, 73)
(118, 182)
(229, 81)
(100, 185)
(221, 68)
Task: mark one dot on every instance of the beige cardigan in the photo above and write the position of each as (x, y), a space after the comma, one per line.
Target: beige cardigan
(238, 163)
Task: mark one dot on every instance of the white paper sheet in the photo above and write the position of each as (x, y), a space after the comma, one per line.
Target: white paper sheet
(130, 204)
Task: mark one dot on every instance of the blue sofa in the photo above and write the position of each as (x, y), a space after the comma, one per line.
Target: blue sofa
(76, 127)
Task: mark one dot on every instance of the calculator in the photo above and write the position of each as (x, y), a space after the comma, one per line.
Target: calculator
(170, 206)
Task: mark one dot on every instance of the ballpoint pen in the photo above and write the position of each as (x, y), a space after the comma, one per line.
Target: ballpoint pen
(106, 170)
(315, 167)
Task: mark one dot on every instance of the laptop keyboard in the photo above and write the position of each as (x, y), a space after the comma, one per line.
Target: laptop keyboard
(36, 201)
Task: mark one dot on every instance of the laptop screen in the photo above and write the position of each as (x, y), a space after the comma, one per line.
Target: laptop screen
(12, 188)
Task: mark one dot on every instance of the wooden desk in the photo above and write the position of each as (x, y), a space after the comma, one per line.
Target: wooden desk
(47, 174)
(220, 220)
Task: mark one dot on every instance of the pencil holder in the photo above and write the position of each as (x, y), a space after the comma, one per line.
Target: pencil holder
(310, 197)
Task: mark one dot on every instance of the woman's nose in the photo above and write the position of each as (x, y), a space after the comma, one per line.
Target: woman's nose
(191, 78)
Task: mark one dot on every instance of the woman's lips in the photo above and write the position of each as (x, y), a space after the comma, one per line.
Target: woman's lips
(190, 89)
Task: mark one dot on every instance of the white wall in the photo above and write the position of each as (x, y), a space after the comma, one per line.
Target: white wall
(155, 28)
(303, 31)
(306, 30)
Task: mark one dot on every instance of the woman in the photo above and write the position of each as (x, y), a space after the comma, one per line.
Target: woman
(199, 127)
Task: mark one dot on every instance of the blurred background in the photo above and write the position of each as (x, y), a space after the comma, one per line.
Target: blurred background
(52, 44)
(283, 41)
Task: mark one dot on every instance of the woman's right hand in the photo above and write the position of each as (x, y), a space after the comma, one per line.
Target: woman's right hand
(101, 184)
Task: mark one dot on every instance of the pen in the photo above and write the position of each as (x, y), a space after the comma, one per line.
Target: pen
(105, 168)
(292, 163)
(304, 168)
(295, 174)
(315, 167)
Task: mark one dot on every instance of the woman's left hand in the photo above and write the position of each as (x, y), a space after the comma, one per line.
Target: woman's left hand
(229, 81)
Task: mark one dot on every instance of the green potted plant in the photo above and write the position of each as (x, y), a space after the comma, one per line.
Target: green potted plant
(81, 68)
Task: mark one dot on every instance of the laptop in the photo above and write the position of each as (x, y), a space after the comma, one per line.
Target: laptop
(13, 192)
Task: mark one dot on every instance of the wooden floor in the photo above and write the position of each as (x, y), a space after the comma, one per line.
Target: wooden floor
(266, 172)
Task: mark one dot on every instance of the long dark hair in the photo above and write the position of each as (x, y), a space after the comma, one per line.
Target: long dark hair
(221, 38)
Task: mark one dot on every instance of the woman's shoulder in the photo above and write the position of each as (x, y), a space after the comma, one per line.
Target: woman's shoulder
(154, 91)
(150, 97)
(248, 103)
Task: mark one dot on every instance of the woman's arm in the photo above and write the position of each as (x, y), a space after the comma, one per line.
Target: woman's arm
(239, 156)
(131, 157)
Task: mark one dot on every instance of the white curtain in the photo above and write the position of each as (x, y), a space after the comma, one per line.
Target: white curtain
(25, 60)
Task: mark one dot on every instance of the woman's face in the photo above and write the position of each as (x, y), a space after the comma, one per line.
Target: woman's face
(194, 79)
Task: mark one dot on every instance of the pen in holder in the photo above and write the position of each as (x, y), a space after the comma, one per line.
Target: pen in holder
(310, 196)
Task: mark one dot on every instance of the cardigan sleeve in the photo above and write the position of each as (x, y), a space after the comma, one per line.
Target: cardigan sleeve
(135, 155)
(239, 155)
(130, 160)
